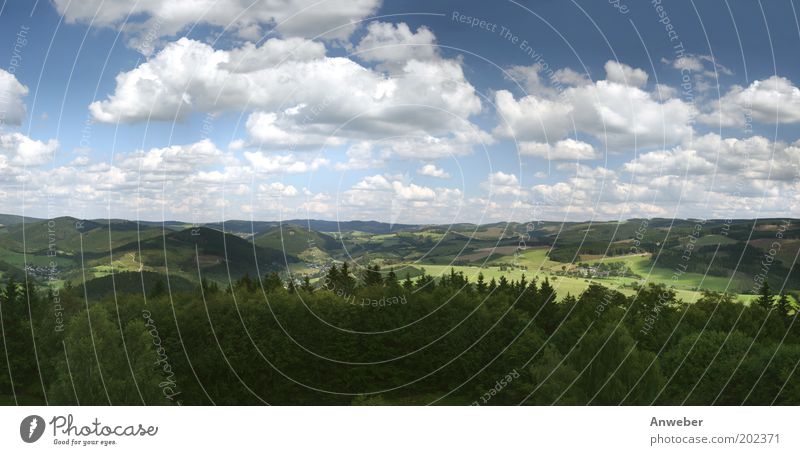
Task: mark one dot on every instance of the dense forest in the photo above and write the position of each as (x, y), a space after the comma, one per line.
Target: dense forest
(375, 338)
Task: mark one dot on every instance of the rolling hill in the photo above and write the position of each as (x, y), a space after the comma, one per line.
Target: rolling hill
(725, 254)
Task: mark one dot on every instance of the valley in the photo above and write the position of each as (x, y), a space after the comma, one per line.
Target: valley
(687, 256)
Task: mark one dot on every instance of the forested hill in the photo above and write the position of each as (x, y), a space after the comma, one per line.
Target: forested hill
(396, 341)
(719, 255)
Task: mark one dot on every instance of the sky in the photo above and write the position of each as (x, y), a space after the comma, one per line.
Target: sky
(426, 112)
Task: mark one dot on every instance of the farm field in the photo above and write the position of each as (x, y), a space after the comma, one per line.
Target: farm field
(535, 263)
(563, 284)
(571, 255)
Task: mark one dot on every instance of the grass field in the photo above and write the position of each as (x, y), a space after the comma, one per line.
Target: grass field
(535, 263)
(491, 250)
(19, 259)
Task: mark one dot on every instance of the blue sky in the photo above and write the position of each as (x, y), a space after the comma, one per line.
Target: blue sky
(401, 111)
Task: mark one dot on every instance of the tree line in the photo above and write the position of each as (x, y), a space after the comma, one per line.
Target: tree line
(448, 340)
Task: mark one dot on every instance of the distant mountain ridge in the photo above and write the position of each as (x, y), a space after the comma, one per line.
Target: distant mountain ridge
(9, 220)
(725, 253)
(257, 227)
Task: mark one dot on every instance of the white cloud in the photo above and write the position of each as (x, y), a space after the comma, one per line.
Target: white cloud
(665, 92)
(275, 189)
(754, 158)
(501, 183)
(12, 108)
(175, 159)
(280, 131)
(700, 74)
(568, 76)
(306, 99)
(373, 182)
(710, 176)
(249, 57)
(196, 179)
(395, 44)
(621, 117)
(624, 74)
(594, 193)
(678, 162)
(531, 118)
(316, 203)
(566, 149)
(432, 171)
(394, 198)
(412, 192)
(528, 77)
(21, 151)
(360, 156)
(686, 63)
(249, 19)
(705, 65)
(459, 143)
(774, 100)
(500, 178)
(283, 164)
(188, 76)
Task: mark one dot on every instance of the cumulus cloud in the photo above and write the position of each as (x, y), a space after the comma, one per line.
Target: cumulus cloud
(192, 76)
(282, 131)
(360, 156)
(458, 143)
(685, 63)
(283, 164)
(188, 76)
(566, 149)
(196, 178)
(596, 192)
(677, 162)
(249, 57)
(528, 77)
(710, 176)
(568, 76)
(624, 74)
(395, 197)
(412, 192)
(251, 20)
(18, 150)
(705, 65)
(395, 44)
(432, 171)
(305, 98)
(501, 183)
(277, 189)
(619, 116)
(12, 108)
(665, 92)
(753, 158)
(772, 101)
(175, 159)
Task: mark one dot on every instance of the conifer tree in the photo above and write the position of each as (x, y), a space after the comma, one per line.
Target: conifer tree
(480, 285)
(783, 305)
(407, 283)
(765, 296)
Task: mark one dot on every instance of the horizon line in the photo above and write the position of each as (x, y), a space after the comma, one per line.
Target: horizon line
(201, 223)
